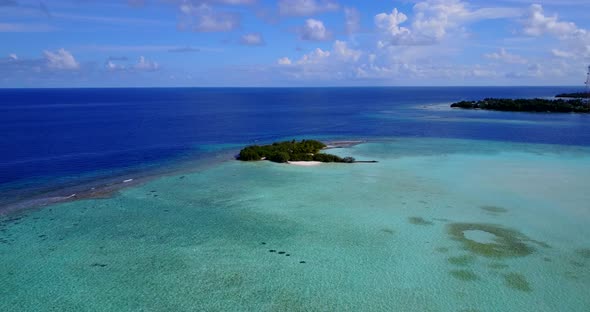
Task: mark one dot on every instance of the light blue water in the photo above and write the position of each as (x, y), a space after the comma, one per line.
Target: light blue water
(54, 139)
(374, 237)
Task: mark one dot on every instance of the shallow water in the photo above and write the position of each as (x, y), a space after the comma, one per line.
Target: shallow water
(390, 236)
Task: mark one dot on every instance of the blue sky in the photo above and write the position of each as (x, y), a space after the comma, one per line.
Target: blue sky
(93, 43)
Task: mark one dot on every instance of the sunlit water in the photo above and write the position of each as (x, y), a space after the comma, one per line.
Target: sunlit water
(435, 225)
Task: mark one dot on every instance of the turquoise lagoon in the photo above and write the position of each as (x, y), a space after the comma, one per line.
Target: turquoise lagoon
(435, 225)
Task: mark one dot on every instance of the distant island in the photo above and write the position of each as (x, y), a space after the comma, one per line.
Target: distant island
(292, 151)
(527, 105)
(577, 95)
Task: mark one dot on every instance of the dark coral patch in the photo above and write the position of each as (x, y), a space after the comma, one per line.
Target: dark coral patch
(506, 242)
(464, 260)
(517, 281)
(464, 275)
(494, 209)
(419, 221)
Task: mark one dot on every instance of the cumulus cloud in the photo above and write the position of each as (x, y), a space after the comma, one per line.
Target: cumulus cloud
(61, 60)
(506, 57)
(353, 20)
(315, 57)
(306, 7)
(12, 56)
(123, 65)
(314, 30)
(204, 18)
(562, 54)
(252, 39)
(341, 51)
(284, 61)
(146, 65)
(574, 41)
(433, 20)
(537, 24)
(112, 66)
(389, 24)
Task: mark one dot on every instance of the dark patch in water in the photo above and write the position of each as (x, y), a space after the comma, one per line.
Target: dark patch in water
(464, 260)
(442, 249)
(464, 275)
(272, 250)
(584, 253)
(507, 243)
(288, 255)
(263, 243)
(547, 259)
(498, 266)
(441, 219)
(494, 209)
(517, 281)
(302, 262)
(281, 252)
(102, 265)
(388, 231)
(571, 275)
(419, 221)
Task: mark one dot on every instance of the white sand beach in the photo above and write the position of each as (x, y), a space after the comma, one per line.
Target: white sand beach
(305, 163)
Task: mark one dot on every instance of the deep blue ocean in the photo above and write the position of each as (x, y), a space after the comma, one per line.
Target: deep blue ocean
(55, 137)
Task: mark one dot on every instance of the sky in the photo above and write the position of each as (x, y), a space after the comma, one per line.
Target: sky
(293, 43)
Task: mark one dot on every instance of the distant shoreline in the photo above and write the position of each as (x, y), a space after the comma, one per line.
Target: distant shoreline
(576, 95)
(527, 105)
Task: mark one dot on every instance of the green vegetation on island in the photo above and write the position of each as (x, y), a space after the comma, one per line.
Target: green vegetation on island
(576, 95)
(527, 105)
(281, 152)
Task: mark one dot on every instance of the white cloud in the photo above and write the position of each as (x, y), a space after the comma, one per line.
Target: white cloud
(306, 7)
(574, 41)
(389, 24)
(253, 39)
(111, 66)
(146, 65)
(538, 24)
(284, 61)
(204, 18)
(314, 30)
(353, 20)
(561, 53)
(315, 57)
(13, 56)
(61, 60)
(341, 51)
(433, 20)
(506, 57)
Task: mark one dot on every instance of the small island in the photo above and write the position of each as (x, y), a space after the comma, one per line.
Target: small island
(527, 105)
(576, 95)
(292, 151)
